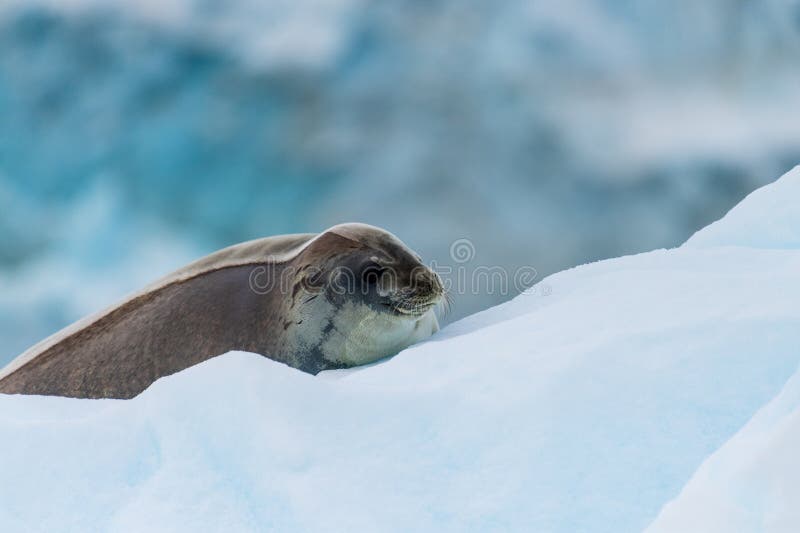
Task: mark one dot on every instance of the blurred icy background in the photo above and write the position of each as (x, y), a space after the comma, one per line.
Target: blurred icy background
(135, 136)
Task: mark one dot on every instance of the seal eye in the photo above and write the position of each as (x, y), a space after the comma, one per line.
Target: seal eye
(372, 273)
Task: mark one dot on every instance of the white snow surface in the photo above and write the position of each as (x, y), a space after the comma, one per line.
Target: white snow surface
(583, 405)
(750, 484)
(768, 218)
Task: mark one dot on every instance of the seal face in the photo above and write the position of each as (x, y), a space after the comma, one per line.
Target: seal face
(348, 296)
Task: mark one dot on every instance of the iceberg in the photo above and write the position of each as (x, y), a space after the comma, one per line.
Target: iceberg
(583, 405)
(750, 484)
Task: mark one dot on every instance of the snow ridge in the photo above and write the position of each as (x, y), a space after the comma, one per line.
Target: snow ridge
(583, 405)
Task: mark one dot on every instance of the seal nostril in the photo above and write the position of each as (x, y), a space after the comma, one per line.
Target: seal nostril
(430, 282)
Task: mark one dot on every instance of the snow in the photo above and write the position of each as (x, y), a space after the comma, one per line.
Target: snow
(750, 484)
(767, 218)
(585, 404)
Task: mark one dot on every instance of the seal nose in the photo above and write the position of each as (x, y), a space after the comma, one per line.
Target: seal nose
(429, 282)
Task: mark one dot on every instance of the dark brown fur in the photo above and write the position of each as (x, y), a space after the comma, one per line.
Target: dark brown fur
(167, 330)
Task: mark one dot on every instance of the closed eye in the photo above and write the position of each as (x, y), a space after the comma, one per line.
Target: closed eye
(373, 272)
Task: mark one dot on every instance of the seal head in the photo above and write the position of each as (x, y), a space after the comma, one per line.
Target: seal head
(366, 296)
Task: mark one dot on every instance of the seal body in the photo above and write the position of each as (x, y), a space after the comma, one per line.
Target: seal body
(348, 296)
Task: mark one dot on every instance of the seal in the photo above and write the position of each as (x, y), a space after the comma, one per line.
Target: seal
(348, 296)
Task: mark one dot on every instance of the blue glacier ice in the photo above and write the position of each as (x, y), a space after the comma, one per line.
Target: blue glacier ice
(135, 136)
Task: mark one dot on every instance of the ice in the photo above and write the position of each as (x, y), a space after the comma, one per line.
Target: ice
(767, 218)
(750, 484)
(584, 404)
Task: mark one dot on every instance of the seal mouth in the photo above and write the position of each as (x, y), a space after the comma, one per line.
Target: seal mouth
(414, 301)
(414, 306)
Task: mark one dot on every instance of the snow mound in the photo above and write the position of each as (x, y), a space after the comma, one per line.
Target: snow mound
(750, 484)
(585, 404)
(767, 218)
